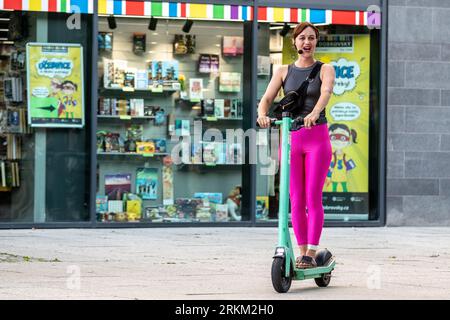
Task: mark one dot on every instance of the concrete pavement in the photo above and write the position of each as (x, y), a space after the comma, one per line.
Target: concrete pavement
(217, 263)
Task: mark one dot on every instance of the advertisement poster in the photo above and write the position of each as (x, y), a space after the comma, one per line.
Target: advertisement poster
(55, 85)
(346, 190)
(147, 183)
(196, 89)
(116, 185)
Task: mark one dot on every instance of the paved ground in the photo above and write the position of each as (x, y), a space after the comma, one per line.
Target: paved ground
(217, 263)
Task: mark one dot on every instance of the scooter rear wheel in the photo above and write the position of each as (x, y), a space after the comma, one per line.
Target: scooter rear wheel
(280, 282)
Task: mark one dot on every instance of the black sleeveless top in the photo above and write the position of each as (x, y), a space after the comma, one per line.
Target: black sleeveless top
(294, 78)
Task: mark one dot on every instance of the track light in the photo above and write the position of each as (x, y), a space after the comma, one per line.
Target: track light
(188, 25)
(152, 24)
(112, 22)
(285, 30)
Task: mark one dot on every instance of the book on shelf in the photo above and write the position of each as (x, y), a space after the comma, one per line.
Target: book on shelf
(221, 212)
(115, 206)
(3, 173)
(196, 153)
(121, 107)
(147, 183)
(101, 203)
(145, 147)
(130, 78)
(9, 174)
(214, 153)
(116, 185)
(208, 107)
(14, 147)
(141, 79)
(219, 108)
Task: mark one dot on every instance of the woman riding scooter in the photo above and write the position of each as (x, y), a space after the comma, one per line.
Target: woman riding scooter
(310, 146)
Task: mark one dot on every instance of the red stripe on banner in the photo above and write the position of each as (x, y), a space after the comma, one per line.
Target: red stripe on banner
(183, 10)
(12, 4)
(361, 18)
(52, 5)
(262, 13)
(134, 8)
(251, 13)
(294, 15)
(343, 17)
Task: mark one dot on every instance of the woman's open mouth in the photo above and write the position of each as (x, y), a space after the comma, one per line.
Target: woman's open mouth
(307, 49)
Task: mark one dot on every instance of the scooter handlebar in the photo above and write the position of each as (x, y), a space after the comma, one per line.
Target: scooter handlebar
(274, 121)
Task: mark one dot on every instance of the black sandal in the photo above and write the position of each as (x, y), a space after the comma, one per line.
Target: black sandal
(306, 262)
(298, 261)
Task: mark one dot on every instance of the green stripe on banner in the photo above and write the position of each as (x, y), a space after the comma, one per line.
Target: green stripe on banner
(219, 11)
(157, 9)
(303, 15)
(63, 6)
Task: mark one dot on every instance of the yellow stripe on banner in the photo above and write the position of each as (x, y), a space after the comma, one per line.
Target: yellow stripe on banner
(197, 11)
(102, 7)
(278, 14)
(35, 5)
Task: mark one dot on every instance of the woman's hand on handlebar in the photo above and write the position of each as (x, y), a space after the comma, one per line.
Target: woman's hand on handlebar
(263, 121)
(311, 119)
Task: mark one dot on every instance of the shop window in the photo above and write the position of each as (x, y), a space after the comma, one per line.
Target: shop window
(349, 193)
(168, 91)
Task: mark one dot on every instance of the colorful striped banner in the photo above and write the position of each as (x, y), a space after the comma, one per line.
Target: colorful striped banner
(68, 6)
(316, 16)
(175, 10)
(192, 10)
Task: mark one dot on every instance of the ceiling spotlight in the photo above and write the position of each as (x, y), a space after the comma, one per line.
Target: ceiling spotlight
(112, 22)
(188, 25)
(152, 24)
(285, 30)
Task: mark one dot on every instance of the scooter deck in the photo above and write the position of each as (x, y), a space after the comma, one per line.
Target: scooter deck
(303, 274)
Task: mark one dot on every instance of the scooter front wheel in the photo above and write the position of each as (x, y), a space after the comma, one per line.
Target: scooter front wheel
(280, 282)
(324, 280)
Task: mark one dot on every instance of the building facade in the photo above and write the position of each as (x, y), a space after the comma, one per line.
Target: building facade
(418, 141)
(118, 113)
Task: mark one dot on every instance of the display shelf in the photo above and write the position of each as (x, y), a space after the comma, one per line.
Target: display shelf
(107, 117)
(219, 119)
(133, 154)
(136, 91)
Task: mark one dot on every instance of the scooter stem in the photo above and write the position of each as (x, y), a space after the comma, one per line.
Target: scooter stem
(283, 226)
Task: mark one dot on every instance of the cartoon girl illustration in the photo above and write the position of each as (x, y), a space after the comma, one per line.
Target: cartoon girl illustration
(341, 137)
(67, 103)
(55, 87)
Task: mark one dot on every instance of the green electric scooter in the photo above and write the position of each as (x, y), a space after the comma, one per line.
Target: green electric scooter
(283, 266)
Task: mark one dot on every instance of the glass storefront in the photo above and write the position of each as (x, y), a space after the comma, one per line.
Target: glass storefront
(154, 121)
(353, 50)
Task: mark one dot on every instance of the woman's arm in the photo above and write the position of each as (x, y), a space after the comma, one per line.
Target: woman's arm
(327, 75)
(268, 97)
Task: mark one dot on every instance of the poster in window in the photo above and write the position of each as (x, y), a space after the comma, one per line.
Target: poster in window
(147, 183)
(233, 46)
(196, 89)
(55, 85)
(346, 190)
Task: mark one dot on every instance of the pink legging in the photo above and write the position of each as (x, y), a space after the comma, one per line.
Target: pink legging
(310, 160)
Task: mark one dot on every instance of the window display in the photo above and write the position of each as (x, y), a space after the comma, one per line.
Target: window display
(349, 50)
(149, 102)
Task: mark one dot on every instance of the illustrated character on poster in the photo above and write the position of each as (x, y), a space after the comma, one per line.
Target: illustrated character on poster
(67, 104)
(55, 87)
(341, 137)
